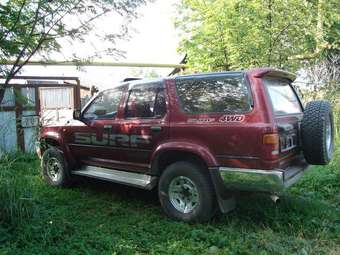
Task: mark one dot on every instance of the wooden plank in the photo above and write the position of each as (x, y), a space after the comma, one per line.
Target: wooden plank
(75, 98)
(30, 130)
(12, 108)
(77, 103)
(25, 77)
(8, 136)
(7, 108)
(37, 101)
(8, 99)
(84, 88)
(20, 131)
(47, 85)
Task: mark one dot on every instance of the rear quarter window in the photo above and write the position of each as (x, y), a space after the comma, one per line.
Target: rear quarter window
(282, 96)
(223, 94)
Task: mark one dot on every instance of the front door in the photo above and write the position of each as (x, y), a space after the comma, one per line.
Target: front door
(146, 122)
(92, 143)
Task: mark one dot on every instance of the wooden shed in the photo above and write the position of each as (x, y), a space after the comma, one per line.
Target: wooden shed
(33, 100)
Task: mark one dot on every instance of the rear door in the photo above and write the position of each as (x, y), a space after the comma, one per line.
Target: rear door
(288, 113)
(146, 122)
(215, 112)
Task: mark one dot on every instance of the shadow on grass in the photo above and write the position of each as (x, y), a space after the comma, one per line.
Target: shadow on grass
(121, 192)
(252, 208)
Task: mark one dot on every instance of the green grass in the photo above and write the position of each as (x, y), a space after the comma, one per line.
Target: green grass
(96, 217)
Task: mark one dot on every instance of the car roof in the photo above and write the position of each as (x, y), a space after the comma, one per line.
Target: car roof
(256, 72)
(134, 83)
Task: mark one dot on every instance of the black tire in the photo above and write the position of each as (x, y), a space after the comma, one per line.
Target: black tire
(206, 206)
(55, 158)
(317, 120)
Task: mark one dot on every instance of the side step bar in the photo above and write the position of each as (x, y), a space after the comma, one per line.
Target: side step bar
(128, 178)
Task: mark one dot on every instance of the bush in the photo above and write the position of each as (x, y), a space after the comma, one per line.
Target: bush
(16, 191)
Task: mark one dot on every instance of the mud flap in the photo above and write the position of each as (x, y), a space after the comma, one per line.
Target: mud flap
(226, 205)
(225, 198)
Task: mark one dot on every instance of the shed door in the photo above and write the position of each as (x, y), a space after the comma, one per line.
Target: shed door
(56, 104)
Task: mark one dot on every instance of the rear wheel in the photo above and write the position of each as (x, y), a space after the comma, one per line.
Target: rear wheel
(54, 167)
(186, 193)
(317, 129)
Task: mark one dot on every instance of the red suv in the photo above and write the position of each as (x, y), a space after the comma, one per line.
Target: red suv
(197, 138)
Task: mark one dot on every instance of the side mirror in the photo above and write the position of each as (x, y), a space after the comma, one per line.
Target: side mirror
(76, 114)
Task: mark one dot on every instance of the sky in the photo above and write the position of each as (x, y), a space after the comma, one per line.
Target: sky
(153, 40)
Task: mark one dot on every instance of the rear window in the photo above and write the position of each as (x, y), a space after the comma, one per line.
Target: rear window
(223, 94)
(282, 96)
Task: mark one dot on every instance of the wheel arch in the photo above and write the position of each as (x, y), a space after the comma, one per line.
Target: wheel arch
(55, 140)
(50, 139)
(167, 154)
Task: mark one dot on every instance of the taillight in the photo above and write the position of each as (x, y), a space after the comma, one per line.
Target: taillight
(271, 139)
(271, 144)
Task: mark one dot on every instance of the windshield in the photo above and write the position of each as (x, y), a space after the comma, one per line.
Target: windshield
(282, 96)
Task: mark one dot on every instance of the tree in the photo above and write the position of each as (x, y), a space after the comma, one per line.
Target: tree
(322, 80)
(236, 34)
(28, 27)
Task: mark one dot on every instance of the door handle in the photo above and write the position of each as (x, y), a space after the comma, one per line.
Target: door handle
(156, 128)
(107, 126)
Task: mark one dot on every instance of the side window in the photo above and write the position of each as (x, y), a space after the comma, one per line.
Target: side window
(105, 106)
(146, 103)
(228, 94)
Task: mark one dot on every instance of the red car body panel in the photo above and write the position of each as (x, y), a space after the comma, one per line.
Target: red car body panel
(236, 143)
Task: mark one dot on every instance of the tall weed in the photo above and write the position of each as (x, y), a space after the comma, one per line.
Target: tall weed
(16, 191)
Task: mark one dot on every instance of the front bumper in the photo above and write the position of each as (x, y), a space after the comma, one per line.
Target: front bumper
(271, 181)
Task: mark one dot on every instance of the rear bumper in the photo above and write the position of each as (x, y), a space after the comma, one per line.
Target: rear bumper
(271, 181)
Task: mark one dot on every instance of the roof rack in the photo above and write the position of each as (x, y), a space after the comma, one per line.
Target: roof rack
(131, 79)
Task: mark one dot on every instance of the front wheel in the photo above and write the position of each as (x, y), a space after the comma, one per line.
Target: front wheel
(54, 168)
(186, 192)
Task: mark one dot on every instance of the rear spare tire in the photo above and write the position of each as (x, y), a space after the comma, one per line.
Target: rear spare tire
(317, 130)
